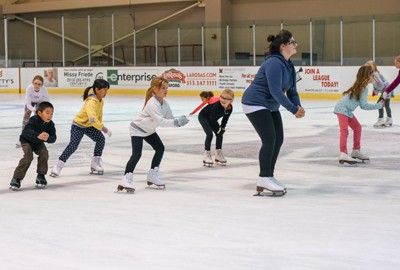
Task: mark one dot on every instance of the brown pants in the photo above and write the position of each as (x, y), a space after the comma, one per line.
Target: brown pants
(27, 115)
(25, 162)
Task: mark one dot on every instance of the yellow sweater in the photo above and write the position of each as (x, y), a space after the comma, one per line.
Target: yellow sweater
(91, 113)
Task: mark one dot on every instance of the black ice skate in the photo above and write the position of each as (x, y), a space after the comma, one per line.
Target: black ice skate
(15, 184)
(41, 181)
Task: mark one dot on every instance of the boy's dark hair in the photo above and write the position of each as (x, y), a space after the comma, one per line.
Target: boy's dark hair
(43, 106)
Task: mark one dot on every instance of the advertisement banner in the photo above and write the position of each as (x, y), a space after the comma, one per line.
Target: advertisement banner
(80, 77)
(50, 76)
(311, 80)
(9, 79)
(191, 78)
(326, 80)
(132, 77)
(236, 78)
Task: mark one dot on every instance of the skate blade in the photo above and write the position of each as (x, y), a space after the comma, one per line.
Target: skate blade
(220, 163)
(261, 191)
(150, 185)
(347, 162)
(362, 161)
(40, 186)
(208, 164)
(14, 188)
(97, 172)
(53, 175)
(122, 188)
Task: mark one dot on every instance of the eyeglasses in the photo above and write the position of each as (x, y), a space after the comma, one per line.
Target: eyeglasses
(292, 42)
(225, 98)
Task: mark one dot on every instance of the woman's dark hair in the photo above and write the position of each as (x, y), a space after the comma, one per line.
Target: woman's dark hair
(97, 84)
(283, 37)
(206, 94)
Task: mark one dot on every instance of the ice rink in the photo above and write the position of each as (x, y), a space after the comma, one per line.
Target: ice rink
(333, 216)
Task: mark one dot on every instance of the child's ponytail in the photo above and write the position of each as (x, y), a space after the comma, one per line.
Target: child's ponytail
(156, 82)
(86, 93)
(97, 84)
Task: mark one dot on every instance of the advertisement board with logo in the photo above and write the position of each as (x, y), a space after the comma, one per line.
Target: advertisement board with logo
(312, 81)
(80, 77)
(135, 77)
(9, 79)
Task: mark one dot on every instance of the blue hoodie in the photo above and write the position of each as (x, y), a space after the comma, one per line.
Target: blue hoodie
(275, 77)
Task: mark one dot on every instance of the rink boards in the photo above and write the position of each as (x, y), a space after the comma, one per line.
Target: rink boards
(325, 82)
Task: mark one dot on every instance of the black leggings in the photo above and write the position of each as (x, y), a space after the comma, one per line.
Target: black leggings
(137, 146)
(208, 129)
(270, 129)
(387, 108)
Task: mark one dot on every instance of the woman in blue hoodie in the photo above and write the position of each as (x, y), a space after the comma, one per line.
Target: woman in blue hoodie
(273, 85)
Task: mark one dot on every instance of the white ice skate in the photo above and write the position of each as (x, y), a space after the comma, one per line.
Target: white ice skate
(127, 183)
(380, 123)
(278, 183)
(207, 159)
(96, 166)
(267, 183)
(345, 158)
(154, 178)
(356, 154)
(389, 122)
(56, 170)
(219, 157)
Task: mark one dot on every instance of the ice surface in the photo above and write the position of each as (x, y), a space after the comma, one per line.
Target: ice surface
(333, 217)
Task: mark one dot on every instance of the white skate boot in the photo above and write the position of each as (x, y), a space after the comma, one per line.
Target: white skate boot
(345, 158)
(154, 178)
(207, 159)
(278, 183)
(219, 157)
(127, 183)
(389, 122)
(96, 166)
(380, 123)
(56, 170)
(267, 183)
(356, 154)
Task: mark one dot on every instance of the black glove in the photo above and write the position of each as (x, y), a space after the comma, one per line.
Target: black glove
(221, 131)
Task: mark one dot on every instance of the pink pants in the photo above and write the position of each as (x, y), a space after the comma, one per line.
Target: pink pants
(344, 123)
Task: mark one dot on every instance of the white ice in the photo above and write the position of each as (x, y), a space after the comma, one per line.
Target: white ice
(333, 216)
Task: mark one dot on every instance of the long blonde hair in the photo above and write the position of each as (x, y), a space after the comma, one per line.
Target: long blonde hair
(372, 64)
(156, 83)
(363, 77)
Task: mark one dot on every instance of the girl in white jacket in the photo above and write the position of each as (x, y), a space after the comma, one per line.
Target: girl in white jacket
(35, 93)
(156, 113)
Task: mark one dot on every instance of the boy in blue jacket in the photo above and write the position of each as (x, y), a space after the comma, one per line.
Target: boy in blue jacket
(40, 129)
